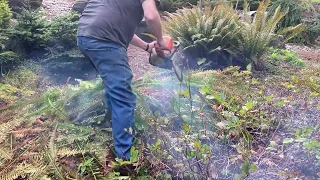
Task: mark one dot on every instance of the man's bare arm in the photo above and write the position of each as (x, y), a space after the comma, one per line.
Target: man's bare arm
(153, 20)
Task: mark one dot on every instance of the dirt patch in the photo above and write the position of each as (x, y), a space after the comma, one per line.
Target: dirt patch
(139, 62)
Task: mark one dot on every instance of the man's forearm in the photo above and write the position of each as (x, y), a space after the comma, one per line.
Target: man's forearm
(155, 27)
(152, 18)
(136, 41)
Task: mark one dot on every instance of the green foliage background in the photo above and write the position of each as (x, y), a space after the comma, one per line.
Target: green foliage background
(5, 14)
(296, 9)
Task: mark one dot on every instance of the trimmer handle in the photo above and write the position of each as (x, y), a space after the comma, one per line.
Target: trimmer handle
(173, 45)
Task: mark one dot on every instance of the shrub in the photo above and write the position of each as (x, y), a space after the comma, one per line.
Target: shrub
(296, 9)
(62, 30)
(5, 14)
(3, 39)
(216, 37)
(257, 34)
(7, 59)
(312, 32)
(294, 14)
(29, 29)
(206, 35)
(254, 4)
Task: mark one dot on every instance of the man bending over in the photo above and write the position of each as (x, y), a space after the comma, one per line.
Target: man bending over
(106, 28)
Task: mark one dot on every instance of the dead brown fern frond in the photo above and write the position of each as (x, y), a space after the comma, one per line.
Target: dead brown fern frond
(5, 128)
(31, 157)
(28, 131)
(5, 154)
(67, 152)
(22, 170)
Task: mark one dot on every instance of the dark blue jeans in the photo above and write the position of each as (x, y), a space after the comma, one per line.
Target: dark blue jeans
(111, 61)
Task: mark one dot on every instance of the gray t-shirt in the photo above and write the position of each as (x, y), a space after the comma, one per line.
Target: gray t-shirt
(111, 20)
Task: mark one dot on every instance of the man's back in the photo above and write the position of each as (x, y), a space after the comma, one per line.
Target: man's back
(111, 20)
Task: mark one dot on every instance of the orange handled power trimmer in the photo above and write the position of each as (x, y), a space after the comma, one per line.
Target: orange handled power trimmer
(163, 58)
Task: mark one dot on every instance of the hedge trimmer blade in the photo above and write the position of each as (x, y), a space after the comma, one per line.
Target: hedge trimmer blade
(176, 68)
(168, 61)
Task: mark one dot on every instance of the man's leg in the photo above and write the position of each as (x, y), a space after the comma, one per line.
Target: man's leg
(112, 63)
(106, 123)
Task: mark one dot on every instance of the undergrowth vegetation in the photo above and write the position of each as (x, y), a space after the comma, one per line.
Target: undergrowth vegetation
(277, 56)
(215, 111)
(38, 141)
(186, 126)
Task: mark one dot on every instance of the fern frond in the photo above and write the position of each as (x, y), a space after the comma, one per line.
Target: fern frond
(51, 146)
(291, 32)
(23, 132)
(67, 152)
(31, 157)
(5, 128)
(23, 170)
(5, 154)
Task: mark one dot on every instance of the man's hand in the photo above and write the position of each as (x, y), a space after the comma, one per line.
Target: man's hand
(136, 41)
(151, 46)
(161, 43)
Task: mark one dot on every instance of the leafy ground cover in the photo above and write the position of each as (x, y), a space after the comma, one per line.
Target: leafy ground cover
(234, 124)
